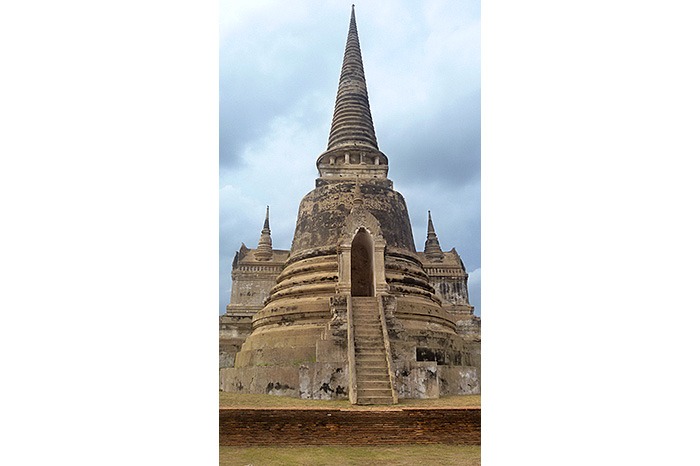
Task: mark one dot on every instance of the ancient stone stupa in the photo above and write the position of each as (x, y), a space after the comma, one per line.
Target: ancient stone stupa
(352, 310)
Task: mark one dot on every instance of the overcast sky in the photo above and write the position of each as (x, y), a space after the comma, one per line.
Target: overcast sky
(279, 69)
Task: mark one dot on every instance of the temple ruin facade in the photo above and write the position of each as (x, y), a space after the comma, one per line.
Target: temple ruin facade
(352, 310)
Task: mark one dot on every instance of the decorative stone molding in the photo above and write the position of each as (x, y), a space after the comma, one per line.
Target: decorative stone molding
(361, 218)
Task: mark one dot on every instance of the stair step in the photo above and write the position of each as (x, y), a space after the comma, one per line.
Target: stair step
(383, 384)
(372, 378)
(373, 392)
(364, 370)
(379, 346)
(371, 366)
(372, 371)
(380, 356)
(376, 364)
(384, 387)
(382, 376)
(375, 401)
(370, 356)
(368, 350)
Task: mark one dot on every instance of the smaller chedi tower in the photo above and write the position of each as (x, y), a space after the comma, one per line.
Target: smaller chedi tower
(254, 273)
(449, 278)
(352, 310)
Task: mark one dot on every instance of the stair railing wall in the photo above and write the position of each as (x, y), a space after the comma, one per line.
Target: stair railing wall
(387, 350)
(352, 374)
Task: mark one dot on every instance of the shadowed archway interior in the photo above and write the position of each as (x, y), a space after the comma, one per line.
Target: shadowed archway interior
(361, 266)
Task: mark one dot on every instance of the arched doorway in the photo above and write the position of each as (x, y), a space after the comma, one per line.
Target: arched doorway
(361, 265)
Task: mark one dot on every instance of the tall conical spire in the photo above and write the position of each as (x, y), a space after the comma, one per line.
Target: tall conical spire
(432, 246)
(352, 120)
(352, 146)
(264, 251)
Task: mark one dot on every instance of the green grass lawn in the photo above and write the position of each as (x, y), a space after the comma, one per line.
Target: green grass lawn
(399, 455)
(240, 400)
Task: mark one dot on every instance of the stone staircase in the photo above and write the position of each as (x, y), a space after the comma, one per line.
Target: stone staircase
(372, 372)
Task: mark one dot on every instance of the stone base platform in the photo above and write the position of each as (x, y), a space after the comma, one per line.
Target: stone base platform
(322, 426)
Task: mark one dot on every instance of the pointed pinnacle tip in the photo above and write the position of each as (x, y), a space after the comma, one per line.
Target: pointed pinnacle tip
(266, 223)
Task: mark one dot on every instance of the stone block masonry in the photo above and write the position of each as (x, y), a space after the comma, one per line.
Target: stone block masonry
(294, 426)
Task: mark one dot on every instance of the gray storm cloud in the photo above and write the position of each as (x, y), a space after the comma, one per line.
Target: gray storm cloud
(279, 69)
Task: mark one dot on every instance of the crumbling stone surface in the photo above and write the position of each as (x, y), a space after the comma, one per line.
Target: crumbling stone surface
(459, 380)
(309, 380)
(269, 380)
(228, 348)
(323, 381)
(323, 212)
(417, 379)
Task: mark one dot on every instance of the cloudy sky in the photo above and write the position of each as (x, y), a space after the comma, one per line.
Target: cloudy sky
(279, 69)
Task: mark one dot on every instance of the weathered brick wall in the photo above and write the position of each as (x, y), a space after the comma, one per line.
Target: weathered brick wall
(249, 427)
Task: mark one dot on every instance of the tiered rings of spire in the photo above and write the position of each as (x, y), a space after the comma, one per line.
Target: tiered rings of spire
(432, 246)
(264, 251)
(352, 119)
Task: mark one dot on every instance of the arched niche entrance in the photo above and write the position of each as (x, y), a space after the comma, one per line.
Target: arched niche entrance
(362, 265)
